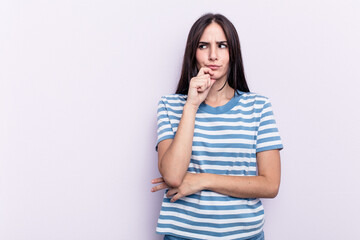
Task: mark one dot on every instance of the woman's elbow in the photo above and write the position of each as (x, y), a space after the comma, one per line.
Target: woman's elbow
(171, 178)
(172, 181)
(270, 188)
(273, 190)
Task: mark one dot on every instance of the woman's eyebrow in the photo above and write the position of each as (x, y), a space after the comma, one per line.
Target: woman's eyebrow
(206, 43)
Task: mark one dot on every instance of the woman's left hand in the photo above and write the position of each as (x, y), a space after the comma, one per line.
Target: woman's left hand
(161, 186)
(191, 184)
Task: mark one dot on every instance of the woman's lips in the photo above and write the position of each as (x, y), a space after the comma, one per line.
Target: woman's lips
(213, 67)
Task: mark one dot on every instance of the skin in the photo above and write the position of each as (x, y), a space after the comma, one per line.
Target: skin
(174, 154)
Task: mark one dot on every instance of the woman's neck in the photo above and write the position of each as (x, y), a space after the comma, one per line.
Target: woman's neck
(217, 98)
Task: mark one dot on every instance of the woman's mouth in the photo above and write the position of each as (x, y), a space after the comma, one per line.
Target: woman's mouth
(213, 67)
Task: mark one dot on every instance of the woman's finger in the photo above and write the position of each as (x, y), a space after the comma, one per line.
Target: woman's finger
(208, 71)
(205, 70)
(157, 180)
(159, 187)
(200, 79)
(176, 197)
(202, 84)
(171, 192)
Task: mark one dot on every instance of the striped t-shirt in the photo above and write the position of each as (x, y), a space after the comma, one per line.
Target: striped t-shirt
(226, 140)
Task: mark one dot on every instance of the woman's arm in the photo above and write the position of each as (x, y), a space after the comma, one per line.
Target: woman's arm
(174, 154)
(265, 185)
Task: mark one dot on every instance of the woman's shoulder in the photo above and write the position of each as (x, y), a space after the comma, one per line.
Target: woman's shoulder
(253, 96)
(175, 97)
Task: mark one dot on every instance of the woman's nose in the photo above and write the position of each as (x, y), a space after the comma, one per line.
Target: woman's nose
(213, 54)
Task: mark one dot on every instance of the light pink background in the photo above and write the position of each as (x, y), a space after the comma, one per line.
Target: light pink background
(79, 87)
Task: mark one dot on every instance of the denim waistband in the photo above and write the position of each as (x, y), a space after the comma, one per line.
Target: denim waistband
(260, 236)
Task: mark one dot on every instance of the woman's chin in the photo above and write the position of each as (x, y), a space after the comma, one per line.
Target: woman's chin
(218, 79)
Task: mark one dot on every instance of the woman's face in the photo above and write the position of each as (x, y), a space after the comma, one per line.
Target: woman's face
(213, 52)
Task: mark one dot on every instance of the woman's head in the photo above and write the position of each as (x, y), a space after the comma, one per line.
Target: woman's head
(212, 52)
(212, 28)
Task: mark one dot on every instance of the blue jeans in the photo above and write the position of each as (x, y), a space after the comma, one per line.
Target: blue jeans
(257, 237)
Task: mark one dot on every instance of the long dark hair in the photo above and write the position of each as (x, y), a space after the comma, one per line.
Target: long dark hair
(236, 76)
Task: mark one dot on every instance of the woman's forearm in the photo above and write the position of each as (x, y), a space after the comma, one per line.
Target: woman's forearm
(235, 186)
(175, 161)
(240, 186)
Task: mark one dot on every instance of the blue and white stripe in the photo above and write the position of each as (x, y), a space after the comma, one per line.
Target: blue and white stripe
(226, 140)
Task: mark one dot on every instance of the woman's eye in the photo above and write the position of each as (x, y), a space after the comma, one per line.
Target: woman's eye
(222, 45)
(202, 46)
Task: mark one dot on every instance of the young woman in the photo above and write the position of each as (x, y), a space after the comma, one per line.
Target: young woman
(218, 144)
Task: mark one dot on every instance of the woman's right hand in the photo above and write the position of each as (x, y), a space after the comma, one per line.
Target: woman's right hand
(200, 86)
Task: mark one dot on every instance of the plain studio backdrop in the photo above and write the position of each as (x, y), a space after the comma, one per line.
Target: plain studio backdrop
(79, 86)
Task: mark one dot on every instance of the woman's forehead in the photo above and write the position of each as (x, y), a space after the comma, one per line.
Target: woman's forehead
(213, 32)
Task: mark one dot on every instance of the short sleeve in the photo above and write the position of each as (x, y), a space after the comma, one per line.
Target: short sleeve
(164, 129)
(268, 136)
